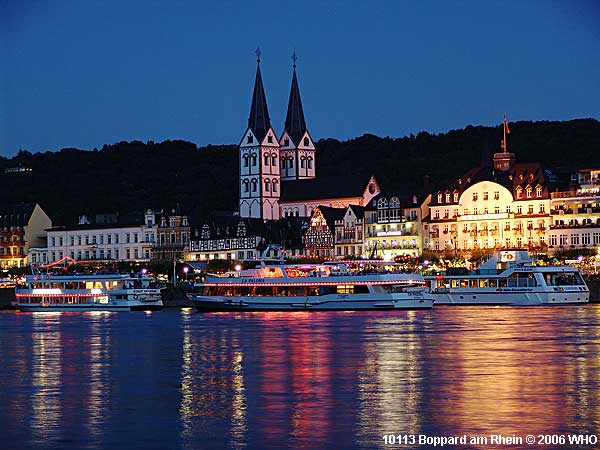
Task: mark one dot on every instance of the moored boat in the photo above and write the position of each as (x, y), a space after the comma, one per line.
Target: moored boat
(80, 292)
(310, 287)
(509, 277)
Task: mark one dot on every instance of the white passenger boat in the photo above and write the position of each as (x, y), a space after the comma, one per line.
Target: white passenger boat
(113, 292)
(310, 287)
(510, 278)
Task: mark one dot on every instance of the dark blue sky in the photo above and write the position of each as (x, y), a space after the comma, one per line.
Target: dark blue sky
(85, 73)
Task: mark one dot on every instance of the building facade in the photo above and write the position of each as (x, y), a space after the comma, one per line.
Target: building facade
(504, 205)
(22, 227)
(108, 242)
(172, 235)
(349, 233)
(575, 214)
(393, 226)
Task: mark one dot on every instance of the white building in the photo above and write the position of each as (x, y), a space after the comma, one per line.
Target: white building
(87, 242)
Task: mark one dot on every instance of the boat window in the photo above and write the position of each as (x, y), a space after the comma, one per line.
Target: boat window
(345, 289)
(563, 279)
(483, 283)
(454, 283)
(473, 283)
(464, 284)
(493, 283)
(522, 279)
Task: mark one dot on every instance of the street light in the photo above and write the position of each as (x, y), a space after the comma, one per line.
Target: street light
(185, 271)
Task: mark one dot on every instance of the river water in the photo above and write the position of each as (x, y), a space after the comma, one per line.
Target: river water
(179, 379)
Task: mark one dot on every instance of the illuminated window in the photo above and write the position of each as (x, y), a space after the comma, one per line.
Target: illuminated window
(439, 198)
(496, 195)
(538, 191)
(448, 197)
(519, 192)
(485, 195)
(529, 191)
(474, 196)
(456, 196)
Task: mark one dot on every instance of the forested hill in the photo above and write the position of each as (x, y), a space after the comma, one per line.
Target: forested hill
(130, 176)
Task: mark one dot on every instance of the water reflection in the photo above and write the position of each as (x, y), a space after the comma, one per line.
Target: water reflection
(180, 379)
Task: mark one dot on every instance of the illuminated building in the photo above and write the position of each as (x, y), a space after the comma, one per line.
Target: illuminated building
(393, 226)
(172, 236)
(22, 226)
(575, 214)
(504, 205)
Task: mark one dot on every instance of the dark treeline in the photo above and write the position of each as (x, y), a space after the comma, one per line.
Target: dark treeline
(134, 175)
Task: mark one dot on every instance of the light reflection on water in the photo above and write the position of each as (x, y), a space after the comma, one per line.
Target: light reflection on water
(180, 379)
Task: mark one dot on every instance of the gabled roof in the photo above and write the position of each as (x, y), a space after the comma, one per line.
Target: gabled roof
(295, 125)
(345, 186)
(358, 211)
(406, 199)
(259, 121)
(16, 214)
(331, 215)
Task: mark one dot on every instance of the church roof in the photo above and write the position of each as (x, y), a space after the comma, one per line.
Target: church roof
(259, 121)
(295, 125)
(345, 186)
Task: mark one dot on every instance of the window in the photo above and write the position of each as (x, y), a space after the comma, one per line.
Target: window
(542, 209)
(282, 163)
(253, 158)
(485, 195)
(474, 196)
(245, 158)
(266, 160)
(270, 139)
(455, 196)
(496, 210)
(519, 209)
(530, 209)
(274, 184)
(436, 214)
(519, 192)
(538, 191)
(250, 139)
(310, 163)
(439, 198)
(246, 186)
(497, 195)
(273, 160)
(466, 212)
(291, 163)
(302, 163)
(267, 186)
(254, 185)
(286, 142)
(447, 197)
(529, 191)
(306, 142)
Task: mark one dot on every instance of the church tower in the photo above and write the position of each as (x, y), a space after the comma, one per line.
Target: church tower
(298, 153)
(260, 180)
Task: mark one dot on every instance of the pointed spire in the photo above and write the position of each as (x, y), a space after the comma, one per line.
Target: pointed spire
(259, 121)
(295, 125)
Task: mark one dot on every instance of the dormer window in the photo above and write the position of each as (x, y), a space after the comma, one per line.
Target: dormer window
(447, 197)
(439, 198)
(529, 191)
(519, 192)
(455, 197)
(538, 191)
(250, 139)
(306, 142)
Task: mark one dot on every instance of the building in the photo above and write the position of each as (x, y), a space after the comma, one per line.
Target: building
(22, 226)
(349, 233)
(319, 237)
(575, 214)
(229, 236)
(504, 205)
(277, 177)
(172, 235)
(260, 179)
(393, 225)
(128, 240)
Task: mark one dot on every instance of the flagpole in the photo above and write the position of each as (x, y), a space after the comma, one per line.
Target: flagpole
(504, 128)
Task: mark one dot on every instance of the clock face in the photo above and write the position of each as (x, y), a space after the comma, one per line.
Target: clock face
(371, 189)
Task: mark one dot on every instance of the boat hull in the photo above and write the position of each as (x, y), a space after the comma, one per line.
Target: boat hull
(32, 307)
(512, 298)
(341, 302)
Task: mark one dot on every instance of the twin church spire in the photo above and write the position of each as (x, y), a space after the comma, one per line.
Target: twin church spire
(265, 160)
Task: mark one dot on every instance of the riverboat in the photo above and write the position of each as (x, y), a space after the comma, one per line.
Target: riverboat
(80, 292)
(510, 277)
(310, 287)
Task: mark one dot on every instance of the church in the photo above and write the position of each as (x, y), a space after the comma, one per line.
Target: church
(278, 175)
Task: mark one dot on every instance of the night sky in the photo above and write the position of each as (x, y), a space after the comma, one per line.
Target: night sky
(85, 73)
